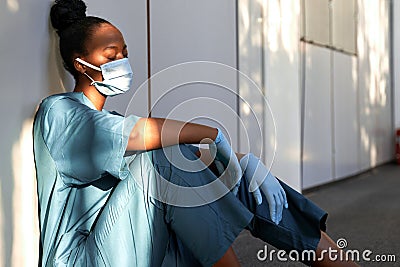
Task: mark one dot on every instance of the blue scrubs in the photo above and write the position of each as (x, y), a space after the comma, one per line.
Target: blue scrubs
(98, 207)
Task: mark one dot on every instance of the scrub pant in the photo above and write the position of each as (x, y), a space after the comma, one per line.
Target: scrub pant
(135, 228)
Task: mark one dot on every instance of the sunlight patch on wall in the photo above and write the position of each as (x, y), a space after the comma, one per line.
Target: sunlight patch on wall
(25, 211)
(374, 155)
(375, 57)
(378, 56)
(365, 142)
(290, 13)
(274, 23)
(13, 5)
(281, 16)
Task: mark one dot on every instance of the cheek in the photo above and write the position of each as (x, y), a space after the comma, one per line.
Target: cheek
(96, 58)
(96, 75)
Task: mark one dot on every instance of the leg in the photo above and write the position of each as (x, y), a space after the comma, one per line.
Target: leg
(299, 229)
(302, 227)
(131, 229)
(130, 225)
(229, 259)
(324, 244)
(209, 228)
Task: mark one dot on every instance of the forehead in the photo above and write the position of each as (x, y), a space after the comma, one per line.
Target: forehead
(105, 35)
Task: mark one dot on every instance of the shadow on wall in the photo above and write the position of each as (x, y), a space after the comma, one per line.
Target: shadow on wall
(251, 105)
(269, 54)
(57, 77)
(268, 45)
(35, 73)
(374, 89)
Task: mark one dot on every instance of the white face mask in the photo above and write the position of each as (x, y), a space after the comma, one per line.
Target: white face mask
(117, 76)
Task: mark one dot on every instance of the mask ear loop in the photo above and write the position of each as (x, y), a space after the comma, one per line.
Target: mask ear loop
(93, 81)
(87, 64)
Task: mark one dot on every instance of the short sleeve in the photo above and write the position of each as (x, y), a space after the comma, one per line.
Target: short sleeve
(85, 143)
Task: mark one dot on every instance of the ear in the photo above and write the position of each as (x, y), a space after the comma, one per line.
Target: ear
(79, 67)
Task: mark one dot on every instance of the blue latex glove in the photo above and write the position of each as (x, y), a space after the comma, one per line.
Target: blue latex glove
(259, 177)
(221, 169)
(224, 154)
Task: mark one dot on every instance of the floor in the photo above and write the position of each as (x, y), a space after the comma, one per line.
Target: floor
(364, 210)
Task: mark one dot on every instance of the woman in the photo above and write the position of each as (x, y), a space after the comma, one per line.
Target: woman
(99, 208)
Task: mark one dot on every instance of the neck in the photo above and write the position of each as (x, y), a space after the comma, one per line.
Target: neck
(93, 95)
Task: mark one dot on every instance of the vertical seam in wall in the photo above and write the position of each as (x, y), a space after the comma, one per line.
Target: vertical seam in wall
(263, 78)
(237, 75)
(358, 113)
(358, 104)
(391, 73)
(302, 46)
(332, 95)
(149, 108)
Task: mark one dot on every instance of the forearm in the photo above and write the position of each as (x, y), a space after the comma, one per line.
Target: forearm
(154, 133)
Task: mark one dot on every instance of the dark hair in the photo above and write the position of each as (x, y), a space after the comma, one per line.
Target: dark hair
(74, 28)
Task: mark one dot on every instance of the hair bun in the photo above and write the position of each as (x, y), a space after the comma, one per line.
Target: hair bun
(65, 12)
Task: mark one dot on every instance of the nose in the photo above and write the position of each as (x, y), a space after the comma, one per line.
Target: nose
(119, 56)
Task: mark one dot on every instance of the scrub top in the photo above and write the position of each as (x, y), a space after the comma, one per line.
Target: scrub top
(93, 210)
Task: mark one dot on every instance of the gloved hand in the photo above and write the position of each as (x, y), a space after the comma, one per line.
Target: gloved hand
(224, 154)
(259, 177)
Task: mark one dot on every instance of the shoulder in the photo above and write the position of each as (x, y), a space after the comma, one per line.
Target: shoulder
(63, 107)
(60, 102)
(56, 111)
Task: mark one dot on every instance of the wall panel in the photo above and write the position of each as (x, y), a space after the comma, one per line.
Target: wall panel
(251, 106)
(183, 32)
(317, 154)
(346, 130)
(376, 132)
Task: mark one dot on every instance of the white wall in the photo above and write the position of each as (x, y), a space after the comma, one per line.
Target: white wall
(346, 131)
(203, 92)
(269, 55)
(348, 120)
(331, 124)
(376, 133)
(282, 75)
(27, 73)
(345, 99)
(252, 106)
(317, 148)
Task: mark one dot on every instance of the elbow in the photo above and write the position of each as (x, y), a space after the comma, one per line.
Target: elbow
(132, 142)
(144, 136)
